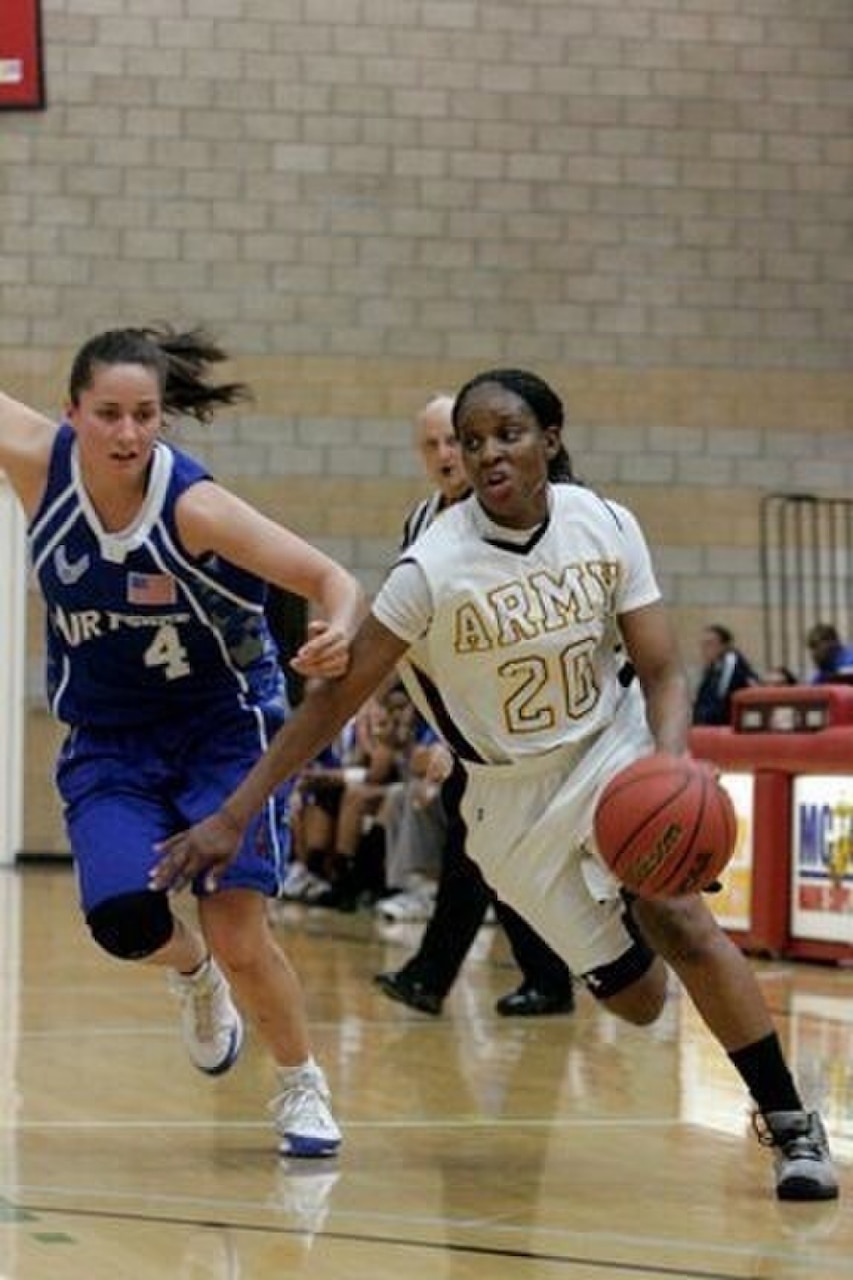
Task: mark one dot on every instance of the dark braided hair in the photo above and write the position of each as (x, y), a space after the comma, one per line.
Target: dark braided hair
(545, 405)
(180, 361)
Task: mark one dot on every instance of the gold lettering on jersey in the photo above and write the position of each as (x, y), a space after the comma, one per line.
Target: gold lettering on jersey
(526, 707)
(515, 613)
(578, 594)
(580, 681)
(542, 689)
(471, 630)
(565, 599)
(606, 574)
(546, 601)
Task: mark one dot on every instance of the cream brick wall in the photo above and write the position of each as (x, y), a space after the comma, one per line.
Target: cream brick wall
(370, 199)
(666, 183)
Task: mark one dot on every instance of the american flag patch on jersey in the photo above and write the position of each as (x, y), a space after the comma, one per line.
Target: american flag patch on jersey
(151, 588)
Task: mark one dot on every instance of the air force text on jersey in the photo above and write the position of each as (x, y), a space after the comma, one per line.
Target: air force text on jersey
(91, 624)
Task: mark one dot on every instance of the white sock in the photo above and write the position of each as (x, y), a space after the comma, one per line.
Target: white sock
(290, 1075)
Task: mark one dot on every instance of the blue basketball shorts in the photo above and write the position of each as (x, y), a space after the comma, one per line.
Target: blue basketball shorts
(124, 790)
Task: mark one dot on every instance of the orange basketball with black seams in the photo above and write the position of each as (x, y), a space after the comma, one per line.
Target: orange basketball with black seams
(665, 826)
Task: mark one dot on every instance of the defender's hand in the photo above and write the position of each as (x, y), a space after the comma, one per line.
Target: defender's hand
(325, 654)
(206, 848)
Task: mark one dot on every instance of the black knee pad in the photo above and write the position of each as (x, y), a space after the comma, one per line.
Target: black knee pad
(609, 979)
(133, 925)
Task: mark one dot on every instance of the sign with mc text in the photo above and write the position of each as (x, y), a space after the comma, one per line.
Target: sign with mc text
(822, 859)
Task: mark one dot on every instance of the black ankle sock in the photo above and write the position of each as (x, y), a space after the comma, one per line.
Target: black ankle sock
(764, 1071)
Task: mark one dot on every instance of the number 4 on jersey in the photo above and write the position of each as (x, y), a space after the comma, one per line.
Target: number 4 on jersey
(166, 651)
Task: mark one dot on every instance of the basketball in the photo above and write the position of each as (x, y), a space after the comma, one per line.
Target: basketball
(665, 826)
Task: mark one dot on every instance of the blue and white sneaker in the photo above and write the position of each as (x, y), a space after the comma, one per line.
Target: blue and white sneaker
(302, 1115)
(211, 1026)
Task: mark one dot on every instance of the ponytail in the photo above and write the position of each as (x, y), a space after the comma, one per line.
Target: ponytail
(181, 361)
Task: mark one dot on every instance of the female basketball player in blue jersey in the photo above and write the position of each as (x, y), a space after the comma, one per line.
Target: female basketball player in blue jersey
(506, 612)
(161, 664)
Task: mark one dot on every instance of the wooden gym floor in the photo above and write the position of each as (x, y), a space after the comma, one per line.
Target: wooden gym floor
(476, 1148)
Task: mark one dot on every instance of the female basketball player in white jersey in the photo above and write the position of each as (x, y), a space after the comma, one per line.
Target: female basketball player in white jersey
(506, 615)
(161, 664)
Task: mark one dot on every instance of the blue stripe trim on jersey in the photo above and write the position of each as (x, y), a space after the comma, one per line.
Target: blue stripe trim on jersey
(46, 518)
(61, 686)
(270, 805)
(52, 528)
(53, 542)
(169, 548)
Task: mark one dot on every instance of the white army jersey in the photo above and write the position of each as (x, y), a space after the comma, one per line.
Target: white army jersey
(515, 645)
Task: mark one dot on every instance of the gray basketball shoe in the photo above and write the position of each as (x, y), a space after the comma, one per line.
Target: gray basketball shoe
(804, 1168)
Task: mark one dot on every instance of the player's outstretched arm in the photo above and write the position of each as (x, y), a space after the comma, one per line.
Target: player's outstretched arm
(211, 518)
(26, 438)
(209, 846)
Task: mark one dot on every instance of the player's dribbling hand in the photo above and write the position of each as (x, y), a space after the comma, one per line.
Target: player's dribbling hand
(325, 654)
(204, 849)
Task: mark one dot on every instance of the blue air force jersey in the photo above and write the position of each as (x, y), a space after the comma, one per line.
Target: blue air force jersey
(138, 630)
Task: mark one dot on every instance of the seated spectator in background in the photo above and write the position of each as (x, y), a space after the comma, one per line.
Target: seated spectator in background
(415, 824)
(725, 671)
(780, 676)
(314, 804)
(833, 660)
(337, 800)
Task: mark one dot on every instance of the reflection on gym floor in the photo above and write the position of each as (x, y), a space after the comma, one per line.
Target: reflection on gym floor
(477, 1147)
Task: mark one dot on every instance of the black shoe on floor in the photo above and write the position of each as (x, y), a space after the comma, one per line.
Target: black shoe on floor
(408, 991)
(528, 1002)
(337, 898)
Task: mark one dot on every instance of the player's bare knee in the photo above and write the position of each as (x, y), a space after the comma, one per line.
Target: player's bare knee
(681, 930)
(132, 926)
(236, 928)
(235, 953)
(643, 1002)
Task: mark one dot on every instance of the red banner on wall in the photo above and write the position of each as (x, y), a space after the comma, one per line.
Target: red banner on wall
(21, 78)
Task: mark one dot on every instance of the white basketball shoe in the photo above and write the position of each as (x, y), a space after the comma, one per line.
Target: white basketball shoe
(211, 1026)
(302, 1114)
